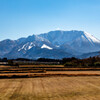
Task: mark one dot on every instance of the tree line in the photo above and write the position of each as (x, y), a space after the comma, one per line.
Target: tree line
(67, 62)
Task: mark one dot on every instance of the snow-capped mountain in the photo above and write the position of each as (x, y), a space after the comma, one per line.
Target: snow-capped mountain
(55, 44)
(77, 40)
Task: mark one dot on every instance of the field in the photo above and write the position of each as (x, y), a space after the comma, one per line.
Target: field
(47, 66)
(49, 82)
(30, 71)
(51, 88)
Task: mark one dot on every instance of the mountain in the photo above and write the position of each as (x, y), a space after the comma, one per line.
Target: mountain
(6, 46)
(54, 44)
(76, 40)
(92, 54)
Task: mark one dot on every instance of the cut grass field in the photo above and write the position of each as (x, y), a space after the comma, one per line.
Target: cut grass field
(25, 71)
(51, 88)
(50, 74)
(23, 84)
(48, 66)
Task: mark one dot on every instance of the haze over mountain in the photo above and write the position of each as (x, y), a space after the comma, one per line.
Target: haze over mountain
(54, 44)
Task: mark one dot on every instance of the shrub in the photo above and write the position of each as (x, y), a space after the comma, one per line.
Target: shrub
(10, 62)
(68, 64)
(97, 63)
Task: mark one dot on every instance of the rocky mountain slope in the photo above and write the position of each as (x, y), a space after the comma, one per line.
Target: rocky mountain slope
(54, 44)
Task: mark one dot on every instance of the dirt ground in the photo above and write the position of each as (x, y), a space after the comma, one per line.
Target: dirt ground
(51, 88)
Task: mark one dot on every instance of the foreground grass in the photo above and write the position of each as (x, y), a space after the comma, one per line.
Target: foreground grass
(51, 88)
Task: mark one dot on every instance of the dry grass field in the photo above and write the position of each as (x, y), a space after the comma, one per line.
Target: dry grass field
(41, 65)
(51, 88)
(30, 71)
(49, 74)
(20, 83)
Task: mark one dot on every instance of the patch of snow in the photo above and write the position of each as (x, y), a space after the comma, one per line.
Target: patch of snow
(19, 49)
(30, 47)
(31, 43)
(47, 47)
(91, 38)
(23, 47)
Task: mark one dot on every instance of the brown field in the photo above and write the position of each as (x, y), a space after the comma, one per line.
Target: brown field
(41, 66)
(51, 88)
(30, 71)
(49, 74)
(22, 83)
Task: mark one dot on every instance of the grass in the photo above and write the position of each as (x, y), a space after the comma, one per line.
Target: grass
(25, 71)
(20, 84)
(43, 66)
(49, 74)
(55, 88)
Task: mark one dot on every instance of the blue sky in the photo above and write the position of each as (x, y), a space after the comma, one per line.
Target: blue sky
(21, 18)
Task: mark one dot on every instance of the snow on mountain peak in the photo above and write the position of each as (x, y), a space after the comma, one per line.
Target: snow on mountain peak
(27, 46)
(91, 38)
(47, 47)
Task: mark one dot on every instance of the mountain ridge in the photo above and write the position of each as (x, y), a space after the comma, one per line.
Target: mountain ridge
(63, 44)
